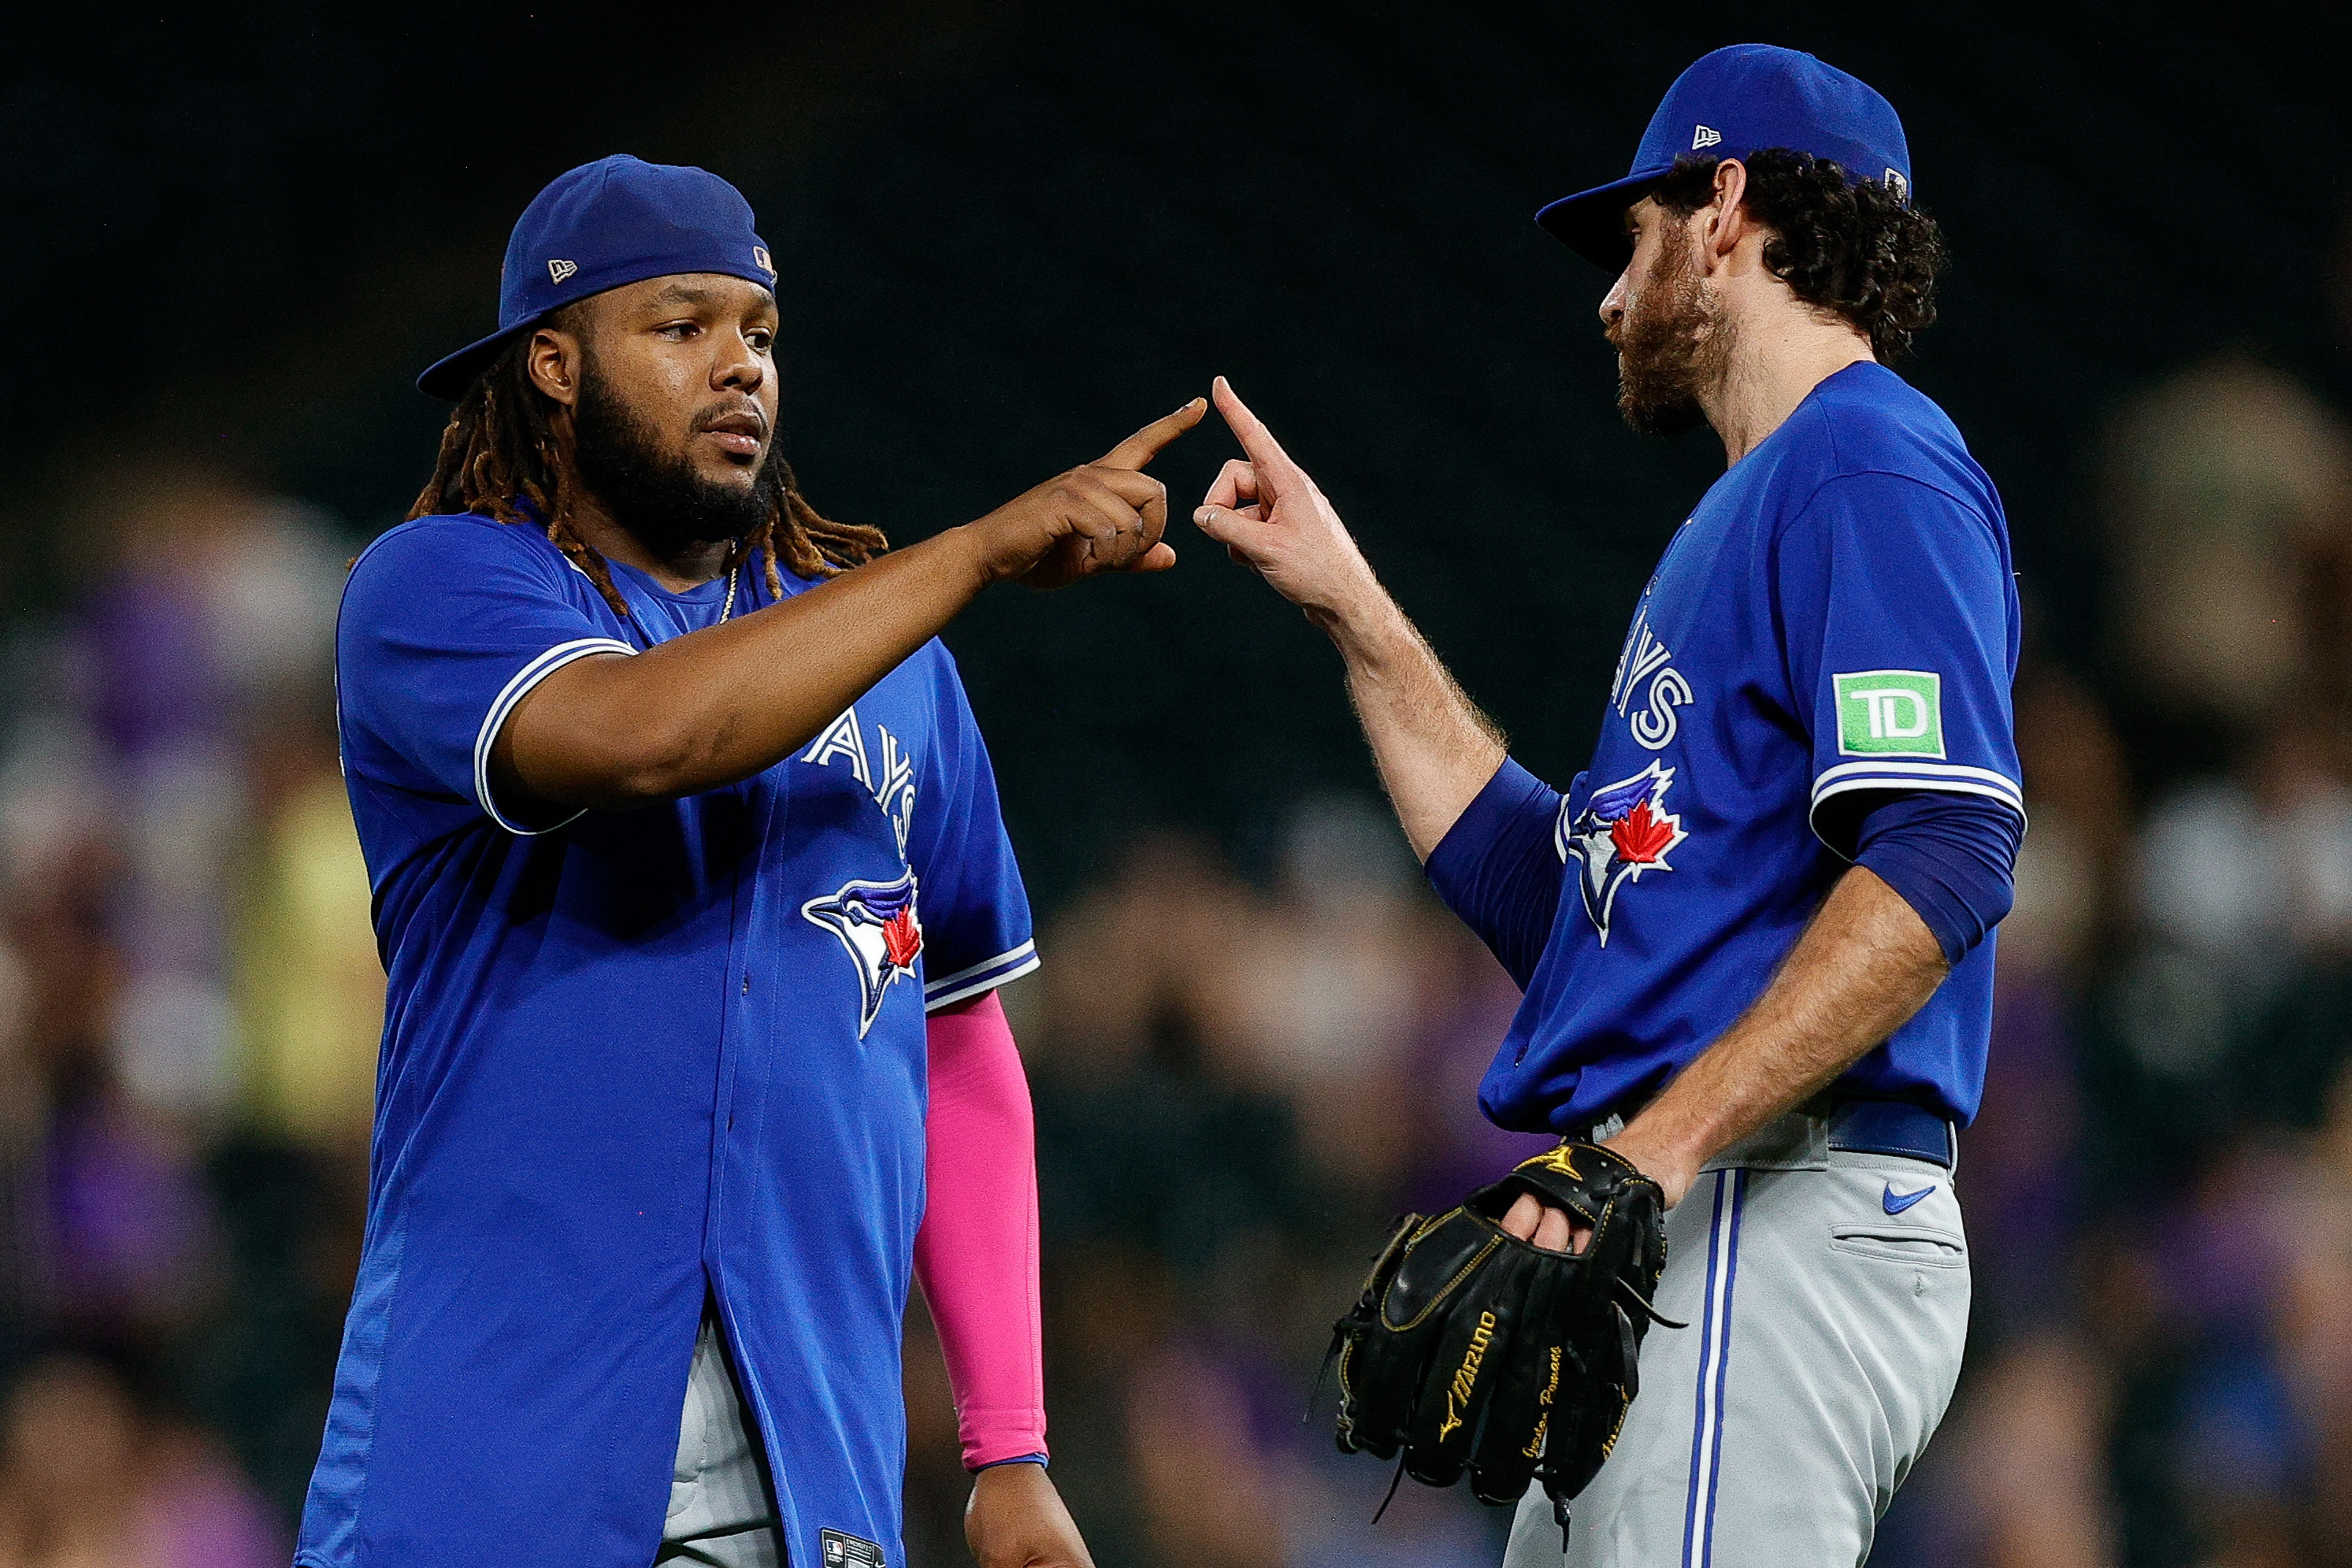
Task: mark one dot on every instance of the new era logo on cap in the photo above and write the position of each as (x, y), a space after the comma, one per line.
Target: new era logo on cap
(1704, 136)
(557, 271)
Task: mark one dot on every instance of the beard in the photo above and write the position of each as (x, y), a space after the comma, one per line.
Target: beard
(1672, 342)
(657, 492)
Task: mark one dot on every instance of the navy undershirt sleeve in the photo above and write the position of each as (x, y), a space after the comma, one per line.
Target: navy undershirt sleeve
(1498, 869)
(1953, 858)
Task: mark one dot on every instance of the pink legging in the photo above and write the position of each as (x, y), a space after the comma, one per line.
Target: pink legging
(976, 1254)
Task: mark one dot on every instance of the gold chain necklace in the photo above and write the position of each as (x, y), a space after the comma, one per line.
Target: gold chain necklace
(732, 573)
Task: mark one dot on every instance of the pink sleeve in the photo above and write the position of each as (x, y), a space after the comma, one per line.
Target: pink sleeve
(976, 1254)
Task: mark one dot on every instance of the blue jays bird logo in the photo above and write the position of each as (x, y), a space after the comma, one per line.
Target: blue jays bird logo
(876, 926)
(1623, 831)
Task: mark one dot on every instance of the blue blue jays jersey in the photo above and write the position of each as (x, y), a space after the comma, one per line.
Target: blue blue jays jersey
(630, 1057)
(1837, 618)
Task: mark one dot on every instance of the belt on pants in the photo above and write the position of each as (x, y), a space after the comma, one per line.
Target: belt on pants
(1894, 1127)
(1857, 1126)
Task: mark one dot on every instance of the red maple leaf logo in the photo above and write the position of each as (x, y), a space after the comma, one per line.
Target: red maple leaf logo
(1641, 835)
(902, 938)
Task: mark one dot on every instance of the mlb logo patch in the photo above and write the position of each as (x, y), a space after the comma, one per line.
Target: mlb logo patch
(842, 1550)
(1890, 713)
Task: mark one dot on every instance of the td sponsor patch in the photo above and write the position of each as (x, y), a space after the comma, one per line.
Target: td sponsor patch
(1890, 713)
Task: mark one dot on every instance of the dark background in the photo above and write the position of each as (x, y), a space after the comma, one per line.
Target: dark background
(1009, 234)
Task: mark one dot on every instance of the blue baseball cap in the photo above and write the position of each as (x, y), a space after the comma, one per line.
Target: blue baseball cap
(618, 219)
(1734, 103)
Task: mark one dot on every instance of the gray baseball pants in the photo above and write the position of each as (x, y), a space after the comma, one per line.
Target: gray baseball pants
(1824, 1339)
(721, 1511)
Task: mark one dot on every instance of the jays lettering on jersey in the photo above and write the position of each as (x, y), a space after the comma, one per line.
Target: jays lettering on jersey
(626, 1054)
(1836, 620)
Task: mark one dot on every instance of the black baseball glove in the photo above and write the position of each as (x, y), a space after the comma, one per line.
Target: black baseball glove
(1472, 1350)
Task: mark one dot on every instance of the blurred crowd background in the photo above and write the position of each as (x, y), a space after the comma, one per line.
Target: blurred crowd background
(1009, 234)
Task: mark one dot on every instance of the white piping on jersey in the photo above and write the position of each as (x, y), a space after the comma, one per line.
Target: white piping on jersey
(1947, 776)
(964, 984)
(1005, 957)
(1941, 786)
(525, 679)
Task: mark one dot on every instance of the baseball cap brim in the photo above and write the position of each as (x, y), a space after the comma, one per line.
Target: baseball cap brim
(448, 378)
(1592, 223)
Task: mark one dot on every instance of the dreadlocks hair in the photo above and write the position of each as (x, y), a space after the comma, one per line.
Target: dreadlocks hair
(1859, 250)
(499, 457)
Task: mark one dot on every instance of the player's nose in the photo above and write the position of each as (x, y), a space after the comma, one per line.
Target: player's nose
(1612, 306)
(736, 368)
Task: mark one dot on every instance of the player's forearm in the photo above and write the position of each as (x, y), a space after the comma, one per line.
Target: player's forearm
(728, 702)
(1865, 965)
(976, 1254)
(1434, 751)
(1433, 748)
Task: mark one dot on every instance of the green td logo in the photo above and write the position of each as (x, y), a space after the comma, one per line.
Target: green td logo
(1890, 713)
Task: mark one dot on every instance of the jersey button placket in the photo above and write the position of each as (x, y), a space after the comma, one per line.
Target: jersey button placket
(730, 1109)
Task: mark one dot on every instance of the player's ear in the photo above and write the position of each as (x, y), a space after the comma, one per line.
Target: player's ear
(1727, 218)
(553, 360)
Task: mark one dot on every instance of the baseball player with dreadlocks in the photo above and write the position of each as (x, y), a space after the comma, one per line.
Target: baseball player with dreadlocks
(693, 894)
(1755, 936)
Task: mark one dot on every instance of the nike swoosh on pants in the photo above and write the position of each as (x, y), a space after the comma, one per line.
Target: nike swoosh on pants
(1896, 1202)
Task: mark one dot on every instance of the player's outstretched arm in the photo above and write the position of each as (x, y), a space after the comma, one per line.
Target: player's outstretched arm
(725, 703)
(1435, 750)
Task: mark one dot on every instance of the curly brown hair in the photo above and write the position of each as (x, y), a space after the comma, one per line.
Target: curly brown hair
(501, 457)
(1859, 249)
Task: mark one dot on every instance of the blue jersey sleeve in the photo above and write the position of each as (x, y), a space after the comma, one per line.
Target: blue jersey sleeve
(447, 624)
(1953, 858)
(974, 909)
(1499, 867)
(1899, 623)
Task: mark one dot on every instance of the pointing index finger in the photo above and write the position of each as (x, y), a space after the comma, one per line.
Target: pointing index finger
(1265, 452)
(1147, 443)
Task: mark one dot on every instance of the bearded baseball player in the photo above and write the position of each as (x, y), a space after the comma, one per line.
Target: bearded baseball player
(1755, 936)
(694, 897)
